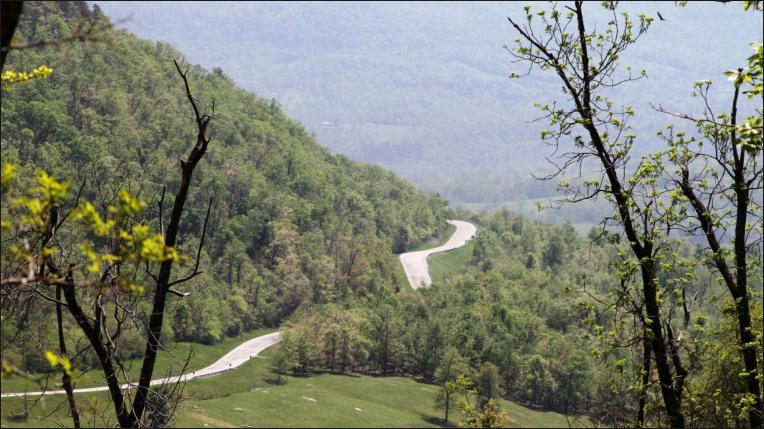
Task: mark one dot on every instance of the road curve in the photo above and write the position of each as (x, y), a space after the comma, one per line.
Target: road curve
(237, 356)
(415, 263)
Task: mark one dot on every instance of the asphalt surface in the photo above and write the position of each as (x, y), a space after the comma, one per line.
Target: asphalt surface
(237, 356)
(415, 263)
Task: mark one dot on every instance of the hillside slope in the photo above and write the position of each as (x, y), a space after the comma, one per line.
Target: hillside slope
(291, 223)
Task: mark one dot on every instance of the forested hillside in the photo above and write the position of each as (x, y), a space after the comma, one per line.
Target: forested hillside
(525, 318)
(290, 223)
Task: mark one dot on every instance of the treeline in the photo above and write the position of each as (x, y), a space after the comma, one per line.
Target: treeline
(290, 224)
(521, 317)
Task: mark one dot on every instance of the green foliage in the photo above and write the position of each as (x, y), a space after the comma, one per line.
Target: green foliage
(719, 396)
(35, 214)
(291, 224)
(487, 384)
(299, 234)
(491, 417)
(487, 416)
(451, 366)
(515, 326)
(10, 78)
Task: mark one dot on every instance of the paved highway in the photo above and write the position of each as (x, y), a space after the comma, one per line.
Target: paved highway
(237, 356)
(415, 263)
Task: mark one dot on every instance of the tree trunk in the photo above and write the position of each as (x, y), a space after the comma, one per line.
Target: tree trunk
(163, 279)
(66, 379)
(741, 276)
(94, 337)
(747, 342)
(448, 399)
(671, 398)
(11, 11)
(645, 379)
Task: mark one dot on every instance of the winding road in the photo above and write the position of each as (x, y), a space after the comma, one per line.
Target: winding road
(417, 272)
(234, 358)
(415, 263)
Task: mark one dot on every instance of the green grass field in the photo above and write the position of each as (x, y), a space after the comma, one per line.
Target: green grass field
(250, 396)
(447, 264)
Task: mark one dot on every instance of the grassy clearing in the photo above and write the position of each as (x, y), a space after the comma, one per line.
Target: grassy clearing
(320, 401)
(520, 416)
(202, 355)
(249, 396)
(447, 264)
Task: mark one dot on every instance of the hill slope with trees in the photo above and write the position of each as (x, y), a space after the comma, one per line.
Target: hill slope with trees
(290, 224)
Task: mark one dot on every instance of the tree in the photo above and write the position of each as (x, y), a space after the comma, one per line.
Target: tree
(728, 173)
(281, 362)
(586, 63)
(539, 383)
(491, 415)
(300, 341)
(385, 335)
(487, 384)
(553, 251)
(129, 245)
(573, 381)
(451, 366)
(445, 399)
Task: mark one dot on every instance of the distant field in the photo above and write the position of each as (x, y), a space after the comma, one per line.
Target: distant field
(583, 216)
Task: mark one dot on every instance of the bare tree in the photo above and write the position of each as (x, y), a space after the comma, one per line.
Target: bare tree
(163, 282)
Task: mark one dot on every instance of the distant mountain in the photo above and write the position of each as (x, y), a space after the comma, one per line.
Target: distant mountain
(422, 88)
